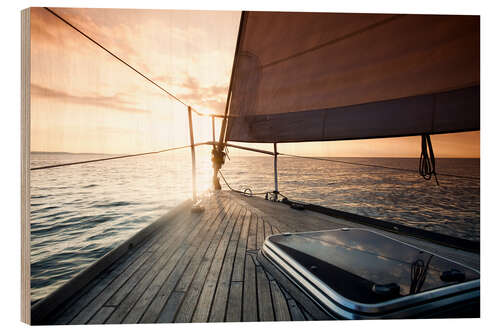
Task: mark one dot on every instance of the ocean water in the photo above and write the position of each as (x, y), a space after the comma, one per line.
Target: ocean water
(80, 212)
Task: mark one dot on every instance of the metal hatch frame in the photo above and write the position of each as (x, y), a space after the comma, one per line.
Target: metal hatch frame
(336, 304)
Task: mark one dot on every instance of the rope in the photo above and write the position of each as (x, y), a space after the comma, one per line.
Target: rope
(112, 158)
(374, 166)
(246, 191)
(427, 165)
(418, 275)
(128, 65)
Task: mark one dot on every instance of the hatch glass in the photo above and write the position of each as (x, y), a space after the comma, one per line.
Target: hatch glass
(367, 267)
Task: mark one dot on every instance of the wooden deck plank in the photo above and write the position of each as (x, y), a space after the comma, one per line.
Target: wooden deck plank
(188, 306)
(128, 302)
(202, 310)
(306, 314)
(159, 291)
(155, 262)
(82, 299)
(158, 273)
(293, 290)
(266, 312)
(291, 220)
(267, 230)
(295, 312)
(260, 232)
(157, 294)
(187, 278)
(101, 315)
(144, 260)
(72, 307)
(254, 204)
(252, 233)
(186, 310)
(234, 303)
(239, 260)
(235, 236)
(167, 315)
(199, 270)
(218, 309)
(280, 304)
(202, 268)
(287, 219)
(161, 287)
(250, 312)
(275, 230)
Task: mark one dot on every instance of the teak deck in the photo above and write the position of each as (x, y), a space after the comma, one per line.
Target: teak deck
(205, 267)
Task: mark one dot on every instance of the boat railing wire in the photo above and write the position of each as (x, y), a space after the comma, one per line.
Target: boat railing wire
(113, 157)
(130, 66)
(202, 114)
(377, 166)
(143, 76)
(246, 189)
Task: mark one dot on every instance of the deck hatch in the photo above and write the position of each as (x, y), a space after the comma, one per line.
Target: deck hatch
(365, 271)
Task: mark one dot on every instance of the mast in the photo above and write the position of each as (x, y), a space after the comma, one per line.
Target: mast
(218, 155)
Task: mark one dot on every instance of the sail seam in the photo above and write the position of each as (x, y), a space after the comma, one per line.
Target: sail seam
(333, 41)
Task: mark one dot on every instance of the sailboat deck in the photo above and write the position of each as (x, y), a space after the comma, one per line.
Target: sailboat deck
(204, 267)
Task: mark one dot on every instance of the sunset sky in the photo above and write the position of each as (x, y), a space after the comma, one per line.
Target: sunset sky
(84, 100)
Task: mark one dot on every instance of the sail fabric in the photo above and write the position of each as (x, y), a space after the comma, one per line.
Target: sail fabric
(328, 76)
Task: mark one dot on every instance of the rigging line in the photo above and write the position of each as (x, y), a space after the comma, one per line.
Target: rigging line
(114, 157)
(238, 191)
(126, 64)
(223, 129)
(375, 166)
(427, 163)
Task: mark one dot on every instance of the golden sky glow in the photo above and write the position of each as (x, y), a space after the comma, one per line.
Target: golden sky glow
(84, 100)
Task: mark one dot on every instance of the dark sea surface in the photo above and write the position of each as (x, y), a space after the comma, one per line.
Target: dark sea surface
(80, 212)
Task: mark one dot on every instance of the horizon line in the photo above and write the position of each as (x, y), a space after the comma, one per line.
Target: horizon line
(252, 155)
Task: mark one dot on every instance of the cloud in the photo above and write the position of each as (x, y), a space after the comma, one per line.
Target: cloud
(48, 30)
(212, 97)
(177, 49)
(140, 37)
(116, 101)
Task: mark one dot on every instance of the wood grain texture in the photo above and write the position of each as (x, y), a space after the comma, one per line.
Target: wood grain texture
(157, 294)
(266, 312)
(250, 311)
(25, 165)
(239, 260)
(205, 267)
(187, 308)
(164, 283)
(285, 219)
(202, 311)
(234, 303)
(279, 303)
(218, 310)
(123, 280)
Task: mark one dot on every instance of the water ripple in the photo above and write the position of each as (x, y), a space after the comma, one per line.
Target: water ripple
(80, 213)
